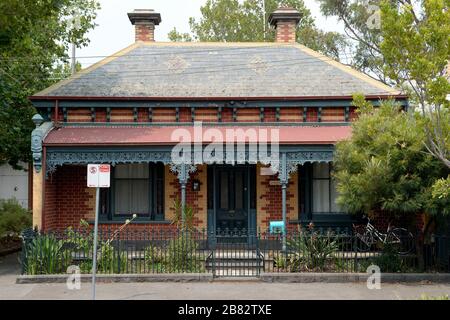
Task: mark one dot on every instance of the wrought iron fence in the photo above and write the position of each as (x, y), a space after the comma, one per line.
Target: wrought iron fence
(223, 253)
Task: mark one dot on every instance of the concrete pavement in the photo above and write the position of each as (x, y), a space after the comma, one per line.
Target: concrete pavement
(225, 290)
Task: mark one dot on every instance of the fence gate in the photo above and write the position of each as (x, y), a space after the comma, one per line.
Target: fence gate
(235, 255)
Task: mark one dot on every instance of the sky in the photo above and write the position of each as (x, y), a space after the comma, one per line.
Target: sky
(115, 32)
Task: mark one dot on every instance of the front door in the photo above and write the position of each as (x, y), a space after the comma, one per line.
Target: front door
(232, 200)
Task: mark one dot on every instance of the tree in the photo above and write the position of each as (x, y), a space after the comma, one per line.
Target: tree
(384, 166)
(237, 21)
(34, 41)
(362, 32)
(416, 49)
(408, 47)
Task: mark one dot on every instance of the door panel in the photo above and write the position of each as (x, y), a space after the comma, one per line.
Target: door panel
(232, 197)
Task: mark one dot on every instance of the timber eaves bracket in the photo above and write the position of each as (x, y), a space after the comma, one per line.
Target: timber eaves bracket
(37, 137)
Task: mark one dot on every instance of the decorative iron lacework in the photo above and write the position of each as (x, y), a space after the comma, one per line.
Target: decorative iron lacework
(183, 171)
(57, 158)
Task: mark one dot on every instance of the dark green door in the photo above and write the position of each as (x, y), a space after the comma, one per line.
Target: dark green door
(232, 199)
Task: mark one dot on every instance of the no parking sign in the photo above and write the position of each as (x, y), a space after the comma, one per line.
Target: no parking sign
(98, 175)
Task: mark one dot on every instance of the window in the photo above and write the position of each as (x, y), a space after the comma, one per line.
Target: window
(135, 189)
(317, 190)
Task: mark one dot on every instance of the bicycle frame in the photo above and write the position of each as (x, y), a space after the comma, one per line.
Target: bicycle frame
(381, 236)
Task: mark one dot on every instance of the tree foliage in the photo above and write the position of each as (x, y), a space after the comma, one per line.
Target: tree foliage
(385, 166)
(409, 48)
(243, 21)
(363, 36)
(416, 49)
(34, 41)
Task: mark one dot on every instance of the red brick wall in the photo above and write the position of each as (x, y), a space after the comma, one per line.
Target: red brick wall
(145, 32)
(196, 200)
(269, 199)
(67, 198)
(381, 221)
(286, 31)
(290, 114)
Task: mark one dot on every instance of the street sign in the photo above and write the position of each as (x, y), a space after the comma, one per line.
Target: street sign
(98, 175)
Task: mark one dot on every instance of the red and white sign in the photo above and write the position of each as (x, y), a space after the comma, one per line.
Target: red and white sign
(98, 175)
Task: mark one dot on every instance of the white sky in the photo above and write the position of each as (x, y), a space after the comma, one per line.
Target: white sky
(115, 32)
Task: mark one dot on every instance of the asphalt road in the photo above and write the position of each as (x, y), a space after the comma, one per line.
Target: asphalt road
(227, 290)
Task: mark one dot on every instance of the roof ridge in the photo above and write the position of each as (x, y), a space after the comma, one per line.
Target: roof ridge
(88, 70)
(349, 70)
(216, 43)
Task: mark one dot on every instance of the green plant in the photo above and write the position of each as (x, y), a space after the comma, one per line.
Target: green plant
(389, 260)
(281, 262)
(181, 255)
(427, 297)
(80, 240)
(184, 218)
(13, 218)
(111, 260)
(311, 250)
(154, 259)
(46, 255)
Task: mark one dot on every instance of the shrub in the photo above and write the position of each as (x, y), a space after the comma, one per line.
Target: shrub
(81, 240)
(13, 218)
(389, 260)
(311, 250)
(281, 262)
(111, 260)
(46, 255)
(154, 259)
(181, 255)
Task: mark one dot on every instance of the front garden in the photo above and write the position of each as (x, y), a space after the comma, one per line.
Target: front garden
(179, 250)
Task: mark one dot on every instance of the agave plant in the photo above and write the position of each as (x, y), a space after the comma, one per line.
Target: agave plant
(311, 250)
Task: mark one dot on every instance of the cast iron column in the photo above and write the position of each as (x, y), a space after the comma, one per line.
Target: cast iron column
(284, 178)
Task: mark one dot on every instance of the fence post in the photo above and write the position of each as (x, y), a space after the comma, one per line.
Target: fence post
(27, 235)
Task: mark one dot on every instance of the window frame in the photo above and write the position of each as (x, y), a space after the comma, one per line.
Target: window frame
(107, 197)
(306, 193)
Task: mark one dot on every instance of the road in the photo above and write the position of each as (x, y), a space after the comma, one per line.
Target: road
(223, 290)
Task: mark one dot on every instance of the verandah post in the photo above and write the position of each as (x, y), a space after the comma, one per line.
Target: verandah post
(284, 178)
(183, 181)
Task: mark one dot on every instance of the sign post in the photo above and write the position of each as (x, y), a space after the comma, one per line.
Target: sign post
(98, 176)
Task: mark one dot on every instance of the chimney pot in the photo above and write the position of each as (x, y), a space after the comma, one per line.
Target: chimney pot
(144, 21)
(285, 20)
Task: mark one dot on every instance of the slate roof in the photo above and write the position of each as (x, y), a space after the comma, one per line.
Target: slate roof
(221, 70)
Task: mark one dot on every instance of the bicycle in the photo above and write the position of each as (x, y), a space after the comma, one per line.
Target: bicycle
(400, 239)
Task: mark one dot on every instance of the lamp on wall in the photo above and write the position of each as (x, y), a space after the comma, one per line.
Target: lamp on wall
(195, 185)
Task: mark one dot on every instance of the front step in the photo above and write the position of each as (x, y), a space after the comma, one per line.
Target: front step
(224, 263)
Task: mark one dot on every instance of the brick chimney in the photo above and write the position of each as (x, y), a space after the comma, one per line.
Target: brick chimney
(144, 21)
(285, 21)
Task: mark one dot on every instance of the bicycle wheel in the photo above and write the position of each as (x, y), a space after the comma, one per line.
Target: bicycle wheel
(401, 239)
(364, 241)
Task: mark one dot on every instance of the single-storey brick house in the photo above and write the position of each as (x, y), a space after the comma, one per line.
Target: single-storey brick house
(125, 110)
